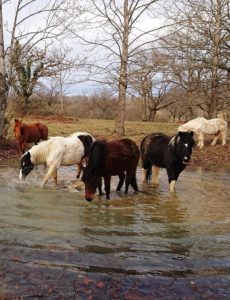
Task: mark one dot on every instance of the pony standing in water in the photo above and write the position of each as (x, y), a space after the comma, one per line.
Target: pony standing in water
(107, 159)
(29, 133)
(56, 152)
(202, 126)
(171, 153)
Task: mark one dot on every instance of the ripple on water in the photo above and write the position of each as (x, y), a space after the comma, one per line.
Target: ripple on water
(150, 238)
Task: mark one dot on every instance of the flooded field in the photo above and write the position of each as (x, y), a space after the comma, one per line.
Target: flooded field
(149, 245)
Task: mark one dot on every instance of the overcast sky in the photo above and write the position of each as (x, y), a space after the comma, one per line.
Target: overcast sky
(38, 20)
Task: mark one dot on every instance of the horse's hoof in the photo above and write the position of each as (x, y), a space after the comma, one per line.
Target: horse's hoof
(89, 199)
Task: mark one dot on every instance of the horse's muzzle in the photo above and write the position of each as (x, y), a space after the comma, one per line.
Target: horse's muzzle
(186, 160)
(21, 176)
(89, 199)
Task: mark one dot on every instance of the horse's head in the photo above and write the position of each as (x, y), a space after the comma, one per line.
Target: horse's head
(92, 173)
(26, 165)
(91, 183)
(17, 128)
(182, 145)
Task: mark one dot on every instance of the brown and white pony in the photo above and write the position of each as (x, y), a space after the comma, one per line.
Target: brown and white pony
(55, 152)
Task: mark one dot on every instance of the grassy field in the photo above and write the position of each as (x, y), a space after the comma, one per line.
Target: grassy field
(216, 157)
(101, 128)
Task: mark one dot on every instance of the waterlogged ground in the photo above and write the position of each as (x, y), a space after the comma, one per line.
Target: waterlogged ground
(150, 245)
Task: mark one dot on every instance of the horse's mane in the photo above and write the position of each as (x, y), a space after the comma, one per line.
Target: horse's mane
(96, 161)
(87, 141)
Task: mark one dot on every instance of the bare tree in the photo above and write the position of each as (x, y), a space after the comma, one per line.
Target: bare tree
(114, 26)
(150, 80)
(199, 47)
(35, 25)
(3, 83)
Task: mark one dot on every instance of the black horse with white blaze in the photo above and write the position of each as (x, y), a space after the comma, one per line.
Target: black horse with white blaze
(161, 151)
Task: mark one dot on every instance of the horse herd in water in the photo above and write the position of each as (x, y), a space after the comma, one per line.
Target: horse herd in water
(99, 160)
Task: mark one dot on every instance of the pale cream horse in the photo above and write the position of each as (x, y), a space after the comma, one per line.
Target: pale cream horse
(202, 126)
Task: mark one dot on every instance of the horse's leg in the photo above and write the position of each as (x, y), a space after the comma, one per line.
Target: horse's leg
(121, 181)
(79, 167)
(144, 175)
(200, 140)
(134, 183)
(55, 177)
(107, 180)
(223, 137)
(100, 187)
(172, 178)
(215, 139)
(155, 174)
(129, 175)
(52, 170)
(23, 147)
(146, 171)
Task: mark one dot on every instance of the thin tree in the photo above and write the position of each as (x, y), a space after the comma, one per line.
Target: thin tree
(3, 83)
(114, 27)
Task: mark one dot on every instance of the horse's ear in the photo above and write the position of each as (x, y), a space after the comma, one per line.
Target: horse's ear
(192, 133)
(16, 120)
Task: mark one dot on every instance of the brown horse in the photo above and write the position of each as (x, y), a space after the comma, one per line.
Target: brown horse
(29, 133)
(109, 158)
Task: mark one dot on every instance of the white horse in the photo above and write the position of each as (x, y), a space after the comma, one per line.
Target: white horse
(202, 126)
(55, 152)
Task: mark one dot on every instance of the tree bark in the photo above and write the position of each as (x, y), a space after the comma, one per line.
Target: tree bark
(3, 84)
(213, 108)
(121, 107)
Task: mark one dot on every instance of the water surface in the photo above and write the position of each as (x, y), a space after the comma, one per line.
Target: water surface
(147, 245)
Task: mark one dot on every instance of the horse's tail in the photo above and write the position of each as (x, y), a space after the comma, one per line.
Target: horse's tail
(148, 167)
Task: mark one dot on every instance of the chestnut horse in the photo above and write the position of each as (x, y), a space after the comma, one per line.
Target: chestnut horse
(29, 133)
(109, 158)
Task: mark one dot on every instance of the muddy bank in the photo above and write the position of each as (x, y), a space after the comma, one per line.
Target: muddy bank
(208, 158)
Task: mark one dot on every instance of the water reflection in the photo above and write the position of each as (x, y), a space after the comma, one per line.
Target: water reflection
(152, 235)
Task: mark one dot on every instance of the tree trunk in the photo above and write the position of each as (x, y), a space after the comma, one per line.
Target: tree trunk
(3, 84)
(121, 103)
(213, 108)
(143, 109)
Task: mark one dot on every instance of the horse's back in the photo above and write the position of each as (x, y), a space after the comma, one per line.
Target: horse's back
(154, 149)
(71, 149)
(43, 129)
(125, 147)
(120, 156)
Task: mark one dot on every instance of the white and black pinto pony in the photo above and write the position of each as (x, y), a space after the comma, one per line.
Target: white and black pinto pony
(202, 126)
(161, 151)
(55, 152)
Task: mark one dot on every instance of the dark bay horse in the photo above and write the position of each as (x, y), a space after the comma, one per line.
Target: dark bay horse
(29, 133)
(161, 151)
(110, 158)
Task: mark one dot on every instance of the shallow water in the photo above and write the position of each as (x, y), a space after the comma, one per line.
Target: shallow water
(147, 245)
